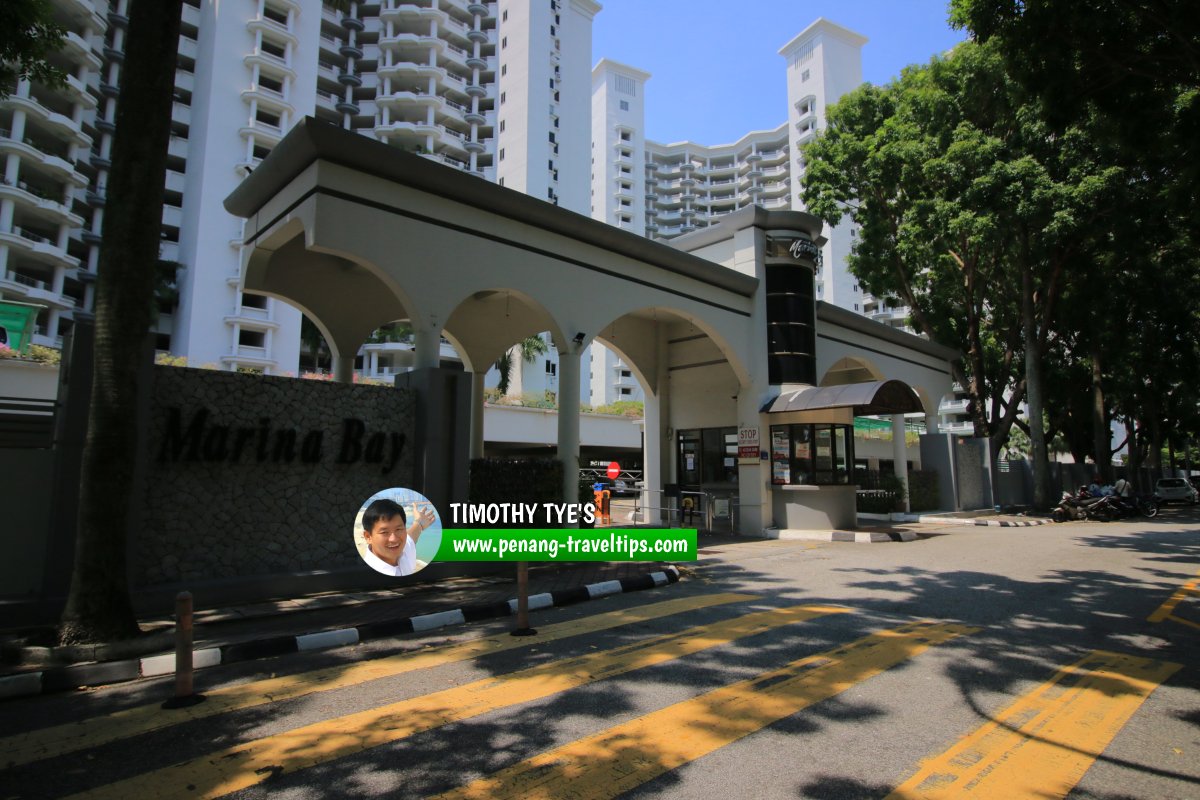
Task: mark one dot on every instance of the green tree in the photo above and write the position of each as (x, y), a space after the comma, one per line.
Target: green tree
(98, 606)
(1091, 64)
(29, 36)
(971, 211)
(530, 348)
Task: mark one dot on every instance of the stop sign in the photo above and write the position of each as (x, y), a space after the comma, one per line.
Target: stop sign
(614, 469)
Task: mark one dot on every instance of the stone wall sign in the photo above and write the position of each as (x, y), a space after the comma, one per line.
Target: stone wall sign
(257, 475)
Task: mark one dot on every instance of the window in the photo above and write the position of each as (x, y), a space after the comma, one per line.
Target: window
(504, 16)
(502, 126)
(501, 153)
(252, 338)
(812, 455)
(551, 367)
(624, 105)
(503, 96)
(625, 136)
(626, 390)
(804, 76)
(503, 69)
(504, 44)
(626, 373)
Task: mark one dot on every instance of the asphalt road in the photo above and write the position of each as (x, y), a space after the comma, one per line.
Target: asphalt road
(1052, 661)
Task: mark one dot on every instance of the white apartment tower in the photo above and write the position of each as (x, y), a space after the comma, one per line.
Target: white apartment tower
(684, 186)
(545, 56)
(824, 62)
(457, 81)
(54, 146)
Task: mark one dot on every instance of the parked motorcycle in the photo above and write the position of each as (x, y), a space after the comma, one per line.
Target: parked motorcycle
(1082, 506)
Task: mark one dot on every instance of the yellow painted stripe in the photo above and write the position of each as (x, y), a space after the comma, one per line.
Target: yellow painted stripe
(72, 737)
(1166, 609)
(621, 758)
(1041, 745)
(246, 765)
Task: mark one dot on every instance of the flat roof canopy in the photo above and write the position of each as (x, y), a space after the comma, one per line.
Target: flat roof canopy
(867, 399)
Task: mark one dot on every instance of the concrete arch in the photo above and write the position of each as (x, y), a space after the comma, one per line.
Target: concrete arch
(852, 369)
(634, 334)
(286, 267)
(487, 322)
(928, 403)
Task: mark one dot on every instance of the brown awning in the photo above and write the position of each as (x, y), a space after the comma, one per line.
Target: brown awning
(867, 399)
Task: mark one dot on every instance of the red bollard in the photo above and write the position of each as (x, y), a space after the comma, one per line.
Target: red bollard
(185, 694)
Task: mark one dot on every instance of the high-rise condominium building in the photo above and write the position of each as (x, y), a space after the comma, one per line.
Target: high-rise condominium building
(666, 190)
(500, 90)
(496, 89)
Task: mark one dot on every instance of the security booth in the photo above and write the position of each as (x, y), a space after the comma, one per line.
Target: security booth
(813, 368)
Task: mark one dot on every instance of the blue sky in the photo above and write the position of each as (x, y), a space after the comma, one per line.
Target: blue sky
(715, 64)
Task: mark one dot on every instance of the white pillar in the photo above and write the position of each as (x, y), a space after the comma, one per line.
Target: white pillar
(477, 414)
(343, 368)
(568, 420)
(667, 455)
(427, 343)
(754, 501)
(900, 454)
(652, 439)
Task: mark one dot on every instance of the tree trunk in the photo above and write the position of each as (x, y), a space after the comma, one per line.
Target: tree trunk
(98, 607)
(1033, 394)
(1101, 436)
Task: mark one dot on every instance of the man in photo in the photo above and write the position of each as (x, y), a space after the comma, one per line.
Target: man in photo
(391, 539)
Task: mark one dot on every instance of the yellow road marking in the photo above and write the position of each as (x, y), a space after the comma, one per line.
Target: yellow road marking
(1041, 745)
(71, 737)
(1167, 609)
(623, 757)
(251, 763)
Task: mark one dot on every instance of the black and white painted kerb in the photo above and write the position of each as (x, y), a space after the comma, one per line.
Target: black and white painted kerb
(57, 679)
(991, 523)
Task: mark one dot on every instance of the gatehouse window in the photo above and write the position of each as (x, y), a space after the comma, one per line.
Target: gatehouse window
(812, 455)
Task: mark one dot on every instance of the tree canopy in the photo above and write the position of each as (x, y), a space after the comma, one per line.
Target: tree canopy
(29, 34)
(972, 211)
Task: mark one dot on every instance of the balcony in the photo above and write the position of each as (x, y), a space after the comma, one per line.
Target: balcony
(258, 319)
(270, 98)
(957, 405)
(41, 203)
(39, 248)
(263, 132)
(79, 93)
(269, 27)
(262, 58)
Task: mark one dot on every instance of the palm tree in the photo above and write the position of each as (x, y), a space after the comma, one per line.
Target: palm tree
(98, 606)
(530, 347)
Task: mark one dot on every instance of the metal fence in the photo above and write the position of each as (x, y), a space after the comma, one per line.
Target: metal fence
(26, 423)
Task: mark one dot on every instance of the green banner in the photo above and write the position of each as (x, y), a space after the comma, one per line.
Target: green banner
(17, 323)
(555, 544)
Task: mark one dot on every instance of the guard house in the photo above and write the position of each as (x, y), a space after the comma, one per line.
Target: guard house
(720, 327)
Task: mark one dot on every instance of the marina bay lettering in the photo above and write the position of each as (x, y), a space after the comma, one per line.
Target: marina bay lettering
(203, 441)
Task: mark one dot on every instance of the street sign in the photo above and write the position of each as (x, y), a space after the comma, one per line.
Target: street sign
(614, 469)
(748, 445)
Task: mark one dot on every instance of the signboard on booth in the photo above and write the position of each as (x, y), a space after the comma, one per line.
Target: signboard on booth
(748, 445)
